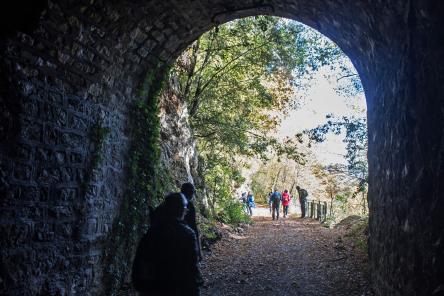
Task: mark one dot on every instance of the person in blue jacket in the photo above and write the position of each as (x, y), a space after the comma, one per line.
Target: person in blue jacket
(275, 202)
(250, 203)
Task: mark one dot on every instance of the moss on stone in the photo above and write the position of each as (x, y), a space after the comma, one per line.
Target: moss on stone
(146, 185)
(98, 136)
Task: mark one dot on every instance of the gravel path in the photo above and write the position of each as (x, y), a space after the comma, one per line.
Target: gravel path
(291, 256)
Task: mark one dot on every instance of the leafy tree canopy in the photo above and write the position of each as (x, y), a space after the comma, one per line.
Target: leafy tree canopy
(356, 144)
(233, 76)
(236, 78)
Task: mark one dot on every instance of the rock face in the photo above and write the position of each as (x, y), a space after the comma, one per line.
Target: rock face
(69, 76)
(178, 148)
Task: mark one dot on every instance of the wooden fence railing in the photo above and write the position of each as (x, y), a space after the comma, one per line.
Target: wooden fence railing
(316, 210)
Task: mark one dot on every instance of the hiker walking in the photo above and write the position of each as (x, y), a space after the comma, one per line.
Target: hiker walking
(269, 200)
(286, 198)
(275, 203)
(302, 199)
(250, 203)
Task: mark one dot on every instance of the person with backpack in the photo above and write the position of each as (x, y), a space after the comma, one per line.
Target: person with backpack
(275, 203)
(286, 198)
(166, 261)
(269, 200)
(302, 199)
(250, 203)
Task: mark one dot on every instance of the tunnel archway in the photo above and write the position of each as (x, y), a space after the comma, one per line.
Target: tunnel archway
(85, 62)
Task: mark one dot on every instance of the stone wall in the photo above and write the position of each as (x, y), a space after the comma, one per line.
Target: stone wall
(67, 85)
(63, 151)
(406, 130)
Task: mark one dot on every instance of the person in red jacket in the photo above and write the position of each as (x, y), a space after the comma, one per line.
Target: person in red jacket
(286, 198)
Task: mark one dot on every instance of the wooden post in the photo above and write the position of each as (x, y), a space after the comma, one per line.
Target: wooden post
(325, 210)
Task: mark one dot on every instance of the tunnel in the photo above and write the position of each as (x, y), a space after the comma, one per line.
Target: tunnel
(70, 70)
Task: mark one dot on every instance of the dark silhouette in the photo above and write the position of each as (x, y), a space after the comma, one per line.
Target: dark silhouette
(302, 200)
(158, 215)
(166, 258)
(190, 218)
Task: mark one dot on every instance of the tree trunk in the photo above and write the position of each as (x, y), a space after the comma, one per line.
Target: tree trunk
(275, 179)
(364, 205)
(292, 187)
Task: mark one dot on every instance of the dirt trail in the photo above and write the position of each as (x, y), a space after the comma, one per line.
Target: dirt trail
(291, 256)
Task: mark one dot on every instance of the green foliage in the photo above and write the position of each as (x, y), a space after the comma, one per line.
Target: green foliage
(358, 232)
(278, 173)
(98, 136)
(234, 75)
(208, 231)
(235, 79)
(221, 177)
(260, 189)
(356, 144)
(232, 212)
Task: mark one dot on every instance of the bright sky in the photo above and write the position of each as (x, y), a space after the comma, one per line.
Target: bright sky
(322, 99)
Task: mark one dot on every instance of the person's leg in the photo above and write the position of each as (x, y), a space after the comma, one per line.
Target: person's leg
(277, 211)
(272, 211)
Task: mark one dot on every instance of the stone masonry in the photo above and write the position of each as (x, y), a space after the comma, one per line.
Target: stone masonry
(70, 69)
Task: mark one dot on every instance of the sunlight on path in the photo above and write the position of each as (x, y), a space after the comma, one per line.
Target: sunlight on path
(291, 256)
(262, 211)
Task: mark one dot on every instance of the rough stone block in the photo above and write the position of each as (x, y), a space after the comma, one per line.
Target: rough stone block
(44, 232)
(22, 172)
(76, 157)
(67, 194)
(32, 132)
(72, 140)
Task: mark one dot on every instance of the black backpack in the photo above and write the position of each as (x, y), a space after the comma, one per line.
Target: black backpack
(275, 197)
(140, 274)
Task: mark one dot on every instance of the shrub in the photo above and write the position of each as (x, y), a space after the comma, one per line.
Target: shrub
(233, 213)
